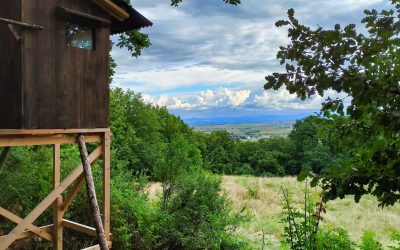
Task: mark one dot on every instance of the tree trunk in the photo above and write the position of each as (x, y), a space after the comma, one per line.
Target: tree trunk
(91, 192)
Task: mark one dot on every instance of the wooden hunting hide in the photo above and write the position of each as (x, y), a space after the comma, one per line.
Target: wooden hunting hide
(44, 82)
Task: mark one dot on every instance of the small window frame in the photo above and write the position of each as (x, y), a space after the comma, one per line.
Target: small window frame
(80, 29)
(82, 19)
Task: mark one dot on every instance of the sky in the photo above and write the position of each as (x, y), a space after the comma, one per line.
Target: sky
(209, 59)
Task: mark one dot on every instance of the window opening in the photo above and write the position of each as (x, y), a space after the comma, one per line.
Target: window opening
(80, 36)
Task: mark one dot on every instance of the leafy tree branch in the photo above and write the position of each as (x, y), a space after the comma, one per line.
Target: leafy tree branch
(366, 67)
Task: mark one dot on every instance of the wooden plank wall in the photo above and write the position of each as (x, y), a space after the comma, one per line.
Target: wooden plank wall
(63, 87)
(10, 68)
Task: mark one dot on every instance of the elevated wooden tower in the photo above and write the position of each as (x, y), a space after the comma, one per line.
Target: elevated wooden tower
(54, 87)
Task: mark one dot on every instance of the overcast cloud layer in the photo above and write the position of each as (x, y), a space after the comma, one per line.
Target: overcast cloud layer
(210, 59)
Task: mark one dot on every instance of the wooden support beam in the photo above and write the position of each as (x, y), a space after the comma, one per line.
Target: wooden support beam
(58, 204)
(13, 235)
(106, 184)
(91, 192)
(23, 25)
(28, 233)
(34, 229)
(43, 140)
(79, 227)
(52, 131)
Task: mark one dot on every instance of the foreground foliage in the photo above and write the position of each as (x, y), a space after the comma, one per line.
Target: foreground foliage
(303, 230)
(264, 206)
(365, 123)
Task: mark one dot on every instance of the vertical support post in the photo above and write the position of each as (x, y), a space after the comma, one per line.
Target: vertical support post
(106, 184)
(58, 203)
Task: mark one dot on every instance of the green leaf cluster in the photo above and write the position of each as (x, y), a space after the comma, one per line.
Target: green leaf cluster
(365, 123)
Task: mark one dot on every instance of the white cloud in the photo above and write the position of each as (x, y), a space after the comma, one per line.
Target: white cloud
(282, 99)
(243, 98)
(157, 80)
(222, 97)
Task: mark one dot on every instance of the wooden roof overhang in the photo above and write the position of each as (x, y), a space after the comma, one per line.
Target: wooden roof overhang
(123, 16)
(113, 9)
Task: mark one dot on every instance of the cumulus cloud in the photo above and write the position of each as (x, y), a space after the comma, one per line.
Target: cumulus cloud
(222, 97)
(282, 99)
(209, 55)
(205, 75)
(244, 99)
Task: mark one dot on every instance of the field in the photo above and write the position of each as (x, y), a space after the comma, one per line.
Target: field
(251, 131)
(262, 200)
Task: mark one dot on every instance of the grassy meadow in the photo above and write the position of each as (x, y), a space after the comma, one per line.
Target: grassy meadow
(250, 130)
(262, 200)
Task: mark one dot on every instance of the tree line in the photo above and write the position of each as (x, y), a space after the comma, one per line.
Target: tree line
(154, 138)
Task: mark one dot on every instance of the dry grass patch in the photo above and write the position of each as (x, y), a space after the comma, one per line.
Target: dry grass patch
(262, 199)
(266, 210)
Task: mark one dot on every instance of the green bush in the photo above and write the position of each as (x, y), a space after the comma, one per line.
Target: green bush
(368, 242)
(334, 239)
(395, 236)
(199, 215)
(135, 222)
(302, 225)
(243, 169)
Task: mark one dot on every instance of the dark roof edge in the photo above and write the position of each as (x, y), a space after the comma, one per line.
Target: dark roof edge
(135, 21)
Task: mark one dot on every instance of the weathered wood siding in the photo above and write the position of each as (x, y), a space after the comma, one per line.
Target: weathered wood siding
(62, 87)
(10, 68)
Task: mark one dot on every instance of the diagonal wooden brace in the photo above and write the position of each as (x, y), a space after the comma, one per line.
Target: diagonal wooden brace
(28, 233)
(14, 218)
(12, 236)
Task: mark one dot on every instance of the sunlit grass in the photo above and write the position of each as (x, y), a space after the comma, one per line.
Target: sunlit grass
(266, 210)
(262, 199)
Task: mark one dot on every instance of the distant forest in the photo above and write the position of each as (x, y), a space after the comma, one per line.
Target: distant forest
(154, 131)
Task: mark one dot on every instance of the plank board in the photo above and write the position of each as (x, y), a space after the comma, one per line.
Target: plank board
(52, 131)
(44, 140)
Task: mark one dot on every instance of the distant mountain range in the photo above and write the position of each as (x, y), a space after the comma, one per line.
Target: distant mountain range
(235, 120)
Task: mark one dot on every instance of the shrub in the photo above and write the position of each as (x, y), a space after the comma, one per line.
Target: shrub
(334, 239)
(302, 226)
(303, 232)
(395, 236)
(135, 222)
(243, 169)
(200, 216)
(368, 242)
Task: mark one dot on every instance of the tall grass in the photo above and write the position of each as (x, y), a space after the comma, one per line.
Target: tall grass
(263, 200)
(266, 210)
